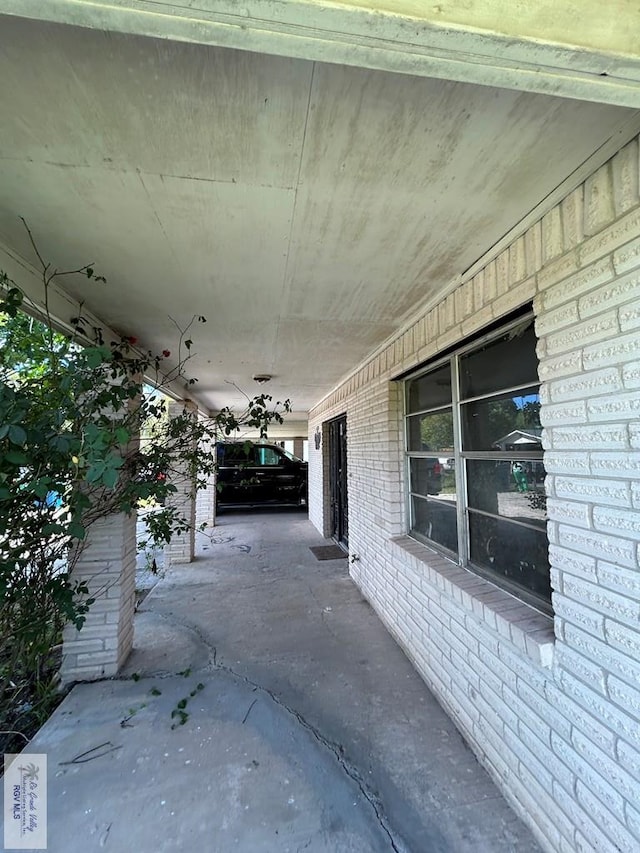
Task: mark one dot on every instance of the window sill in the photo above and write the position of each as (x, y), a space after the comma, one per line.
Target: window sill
(530, 631)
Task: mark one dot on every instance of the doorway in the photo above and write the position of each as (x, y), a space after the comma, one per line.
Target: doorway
(338, 495)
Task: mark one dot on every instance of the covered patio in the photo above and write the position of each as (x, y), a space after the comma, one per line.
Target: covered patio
(358, 197)
(312, 731)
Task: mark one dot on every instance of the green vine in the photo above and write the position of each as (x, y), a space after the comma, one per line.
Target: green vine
(84, 432)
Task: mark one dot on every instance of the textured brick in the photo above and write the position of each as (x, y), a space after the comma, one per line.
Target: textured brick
(597, 732)
(567, 463)
(478, 320)
(569, 512)
(629, 758)
(605, 601)
(629, 316)
(601, 437)
(503, 278)
(627, 257)
(580, 565)
(616, 464)
(578, 284)
(598, 544)
(533, 248)
(608, 492)
(618, 292)
(625, 229)
(572, 210)
(623, 637)
(589, 777)
(594, 383)
(600, 328)
(566, 659)
(552, 236)
(557, 271)
(607, 659)
(633, 819)
(517, 261)
(107, 564)
(599, 208)
(558, 318)
(620, 407)
(612, 719)
(566, 364)
(606, 815)
(631, 375)
(618, 521)
(625, 178)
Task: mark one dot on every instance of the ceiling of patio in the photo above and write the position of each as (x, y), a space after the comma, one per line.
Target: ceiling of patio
(305, 209)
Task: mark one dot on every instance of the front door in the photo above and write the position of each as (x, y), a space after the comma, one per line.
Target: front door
(338, 480)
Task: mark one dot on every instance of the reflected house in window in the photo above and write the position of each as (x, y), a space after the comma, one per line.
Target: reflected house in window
(520, 439)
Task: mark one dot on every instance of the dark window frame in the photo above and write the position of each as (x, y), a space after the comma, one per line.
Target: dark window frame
(528, 580)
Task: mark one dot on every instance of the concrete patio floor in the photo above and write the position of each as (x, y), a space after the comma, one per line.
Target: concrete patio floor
(304, 726)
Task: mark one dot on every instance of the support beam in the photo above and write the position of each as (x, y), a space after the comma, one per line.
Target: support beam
(578, 49)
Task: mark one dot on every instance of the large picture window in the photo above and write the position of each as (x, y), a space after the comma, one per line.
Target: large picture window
(475, 462)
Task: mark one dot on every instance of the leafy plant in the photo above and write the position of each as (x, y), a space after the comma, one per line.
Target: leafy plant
(179, 713)
(84, 433)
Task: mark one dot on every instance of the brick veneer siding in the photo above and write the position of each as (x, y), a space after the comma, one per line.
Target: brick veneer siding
(181, 549)
(108, 566)
(551, 707)
(206, 502)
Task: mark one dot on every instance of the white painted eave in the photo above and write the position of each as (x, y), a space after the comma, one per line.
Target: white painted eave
(586, 51)
(307, 209)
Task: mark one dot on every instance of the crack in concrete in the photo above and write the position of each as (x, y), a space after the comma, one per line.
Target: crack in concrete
(335, 748)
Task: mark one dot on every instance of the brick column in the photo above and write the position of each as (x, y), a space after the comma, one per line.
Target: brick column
(298, 447)
(206, 500)
(182, 547)
(108, 566)
(206, 504)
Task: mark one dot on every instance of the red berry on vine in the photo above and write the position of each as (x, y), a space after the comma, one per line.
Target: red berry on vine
(166, 353)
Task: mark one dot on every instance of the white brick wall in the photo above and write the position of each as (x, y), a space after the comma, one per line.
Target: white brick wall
(108, 566)
(552, 709)
(205, 511)
(181, 549)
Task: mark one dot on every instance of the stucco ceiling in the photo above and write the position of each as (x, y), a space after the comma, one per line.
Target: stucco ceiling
(305, 209)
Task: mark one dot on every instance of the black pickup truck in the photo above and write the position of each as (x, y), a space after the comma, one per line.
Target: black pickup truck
(257, 474)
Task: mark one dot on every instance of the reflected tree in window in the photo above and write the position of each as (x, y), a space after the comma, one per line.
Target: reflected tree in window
(436, 431)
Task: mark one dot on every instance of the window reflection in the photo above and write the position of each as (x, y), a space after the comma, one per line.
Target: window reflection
(436, 520)
(430, 391)
(512, 489)
(505, 422)
(517, 554)
(432, 432)
(489, 391)
(505, 362)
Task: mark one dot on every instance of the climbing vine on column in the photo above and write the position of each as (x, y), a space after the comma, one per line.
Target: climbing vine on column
(84, 432)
